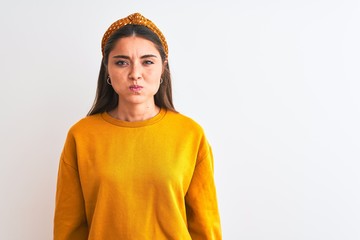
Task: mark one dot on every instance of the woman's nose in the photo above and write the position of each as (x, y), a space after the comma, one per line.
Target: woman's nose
(135, 73)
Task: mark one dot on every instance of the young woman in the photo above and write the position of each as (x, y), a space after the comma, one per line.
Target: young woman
(135, 168)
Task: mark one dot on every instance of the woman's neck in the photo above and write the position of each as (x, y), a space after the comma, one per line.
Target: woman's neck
(135, 113)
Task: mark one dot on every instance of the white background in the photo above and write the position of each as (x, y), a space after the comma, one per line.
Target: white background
(275, 84)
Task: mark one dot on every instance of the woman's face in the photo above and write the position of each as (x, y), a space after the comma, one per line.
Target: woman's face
(135, 68)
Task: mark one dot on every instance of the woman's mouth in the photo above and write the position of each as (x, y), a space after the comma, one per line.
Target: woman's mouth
(135, 88)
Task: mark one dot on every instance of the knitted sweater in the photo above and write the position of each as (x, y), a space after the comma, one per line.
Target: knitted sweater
(150, 179)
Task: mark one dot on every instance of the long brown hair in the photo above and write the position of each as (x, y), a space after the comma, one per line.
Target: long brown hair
(106, 98)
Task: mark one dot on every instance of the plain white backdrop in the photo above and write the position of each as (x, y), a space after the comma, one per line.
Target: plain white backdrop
(275, 84)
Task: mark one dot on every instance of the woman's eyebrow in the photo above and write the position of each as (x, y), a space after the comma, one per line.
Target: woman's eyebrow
(127, 57)
(148, 55)
(121, 56)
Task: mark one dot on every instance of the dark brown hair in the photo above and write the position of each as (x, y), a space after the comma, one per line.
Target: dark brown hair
(106, 98)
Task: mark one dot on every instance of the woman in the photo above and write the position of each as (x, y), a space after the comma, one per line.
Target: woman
(134, 168)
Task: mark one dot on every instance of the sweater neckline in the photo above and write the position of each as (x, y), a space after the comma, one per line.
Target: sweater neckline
(106, 116)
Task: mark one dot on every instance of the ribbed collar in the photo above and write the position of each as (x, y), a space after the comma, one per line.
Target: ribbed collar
(137, 124)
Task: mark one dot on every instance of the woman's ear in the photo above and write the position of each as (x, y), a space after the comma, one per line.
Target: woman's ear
(164, 65)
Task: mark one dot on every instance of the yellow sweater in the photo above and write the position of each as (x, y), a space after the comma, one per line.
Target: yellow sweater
(150, 180)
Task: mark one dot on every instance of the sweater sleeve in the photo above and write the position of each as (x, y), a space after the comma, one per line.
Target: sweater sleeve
(70, 219)
(201, 202)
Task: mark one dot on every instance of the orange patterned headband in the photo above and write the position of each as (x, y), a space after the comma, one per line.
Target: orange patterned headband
(136, 19)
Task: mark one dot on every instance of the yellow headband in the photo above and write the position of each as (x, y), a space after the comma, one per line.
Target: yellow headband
(136, 19)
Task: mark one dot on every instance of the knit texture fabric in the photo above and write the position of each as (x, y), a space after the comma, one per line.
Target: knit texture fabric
(151, 179)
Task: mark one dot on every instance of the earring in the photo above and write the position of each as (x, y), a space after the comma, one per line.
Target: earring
(161, 80)
(108, 80)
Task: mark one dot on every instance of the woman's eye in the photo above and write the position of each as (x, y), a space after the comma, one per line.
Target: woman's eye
(148, 62)
(121, 63)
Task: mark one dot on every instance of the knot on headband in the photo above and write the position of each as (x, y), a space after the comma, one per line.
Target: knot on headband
(136, 19)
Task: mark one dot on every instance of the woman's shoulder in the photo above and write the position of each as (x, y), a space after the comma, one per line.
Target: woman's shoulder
(184, 121)
(87, 123)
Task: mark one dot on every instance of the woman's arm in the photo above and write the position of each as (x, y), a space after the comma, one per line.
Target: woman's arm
(70, 219)
(201, 202)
